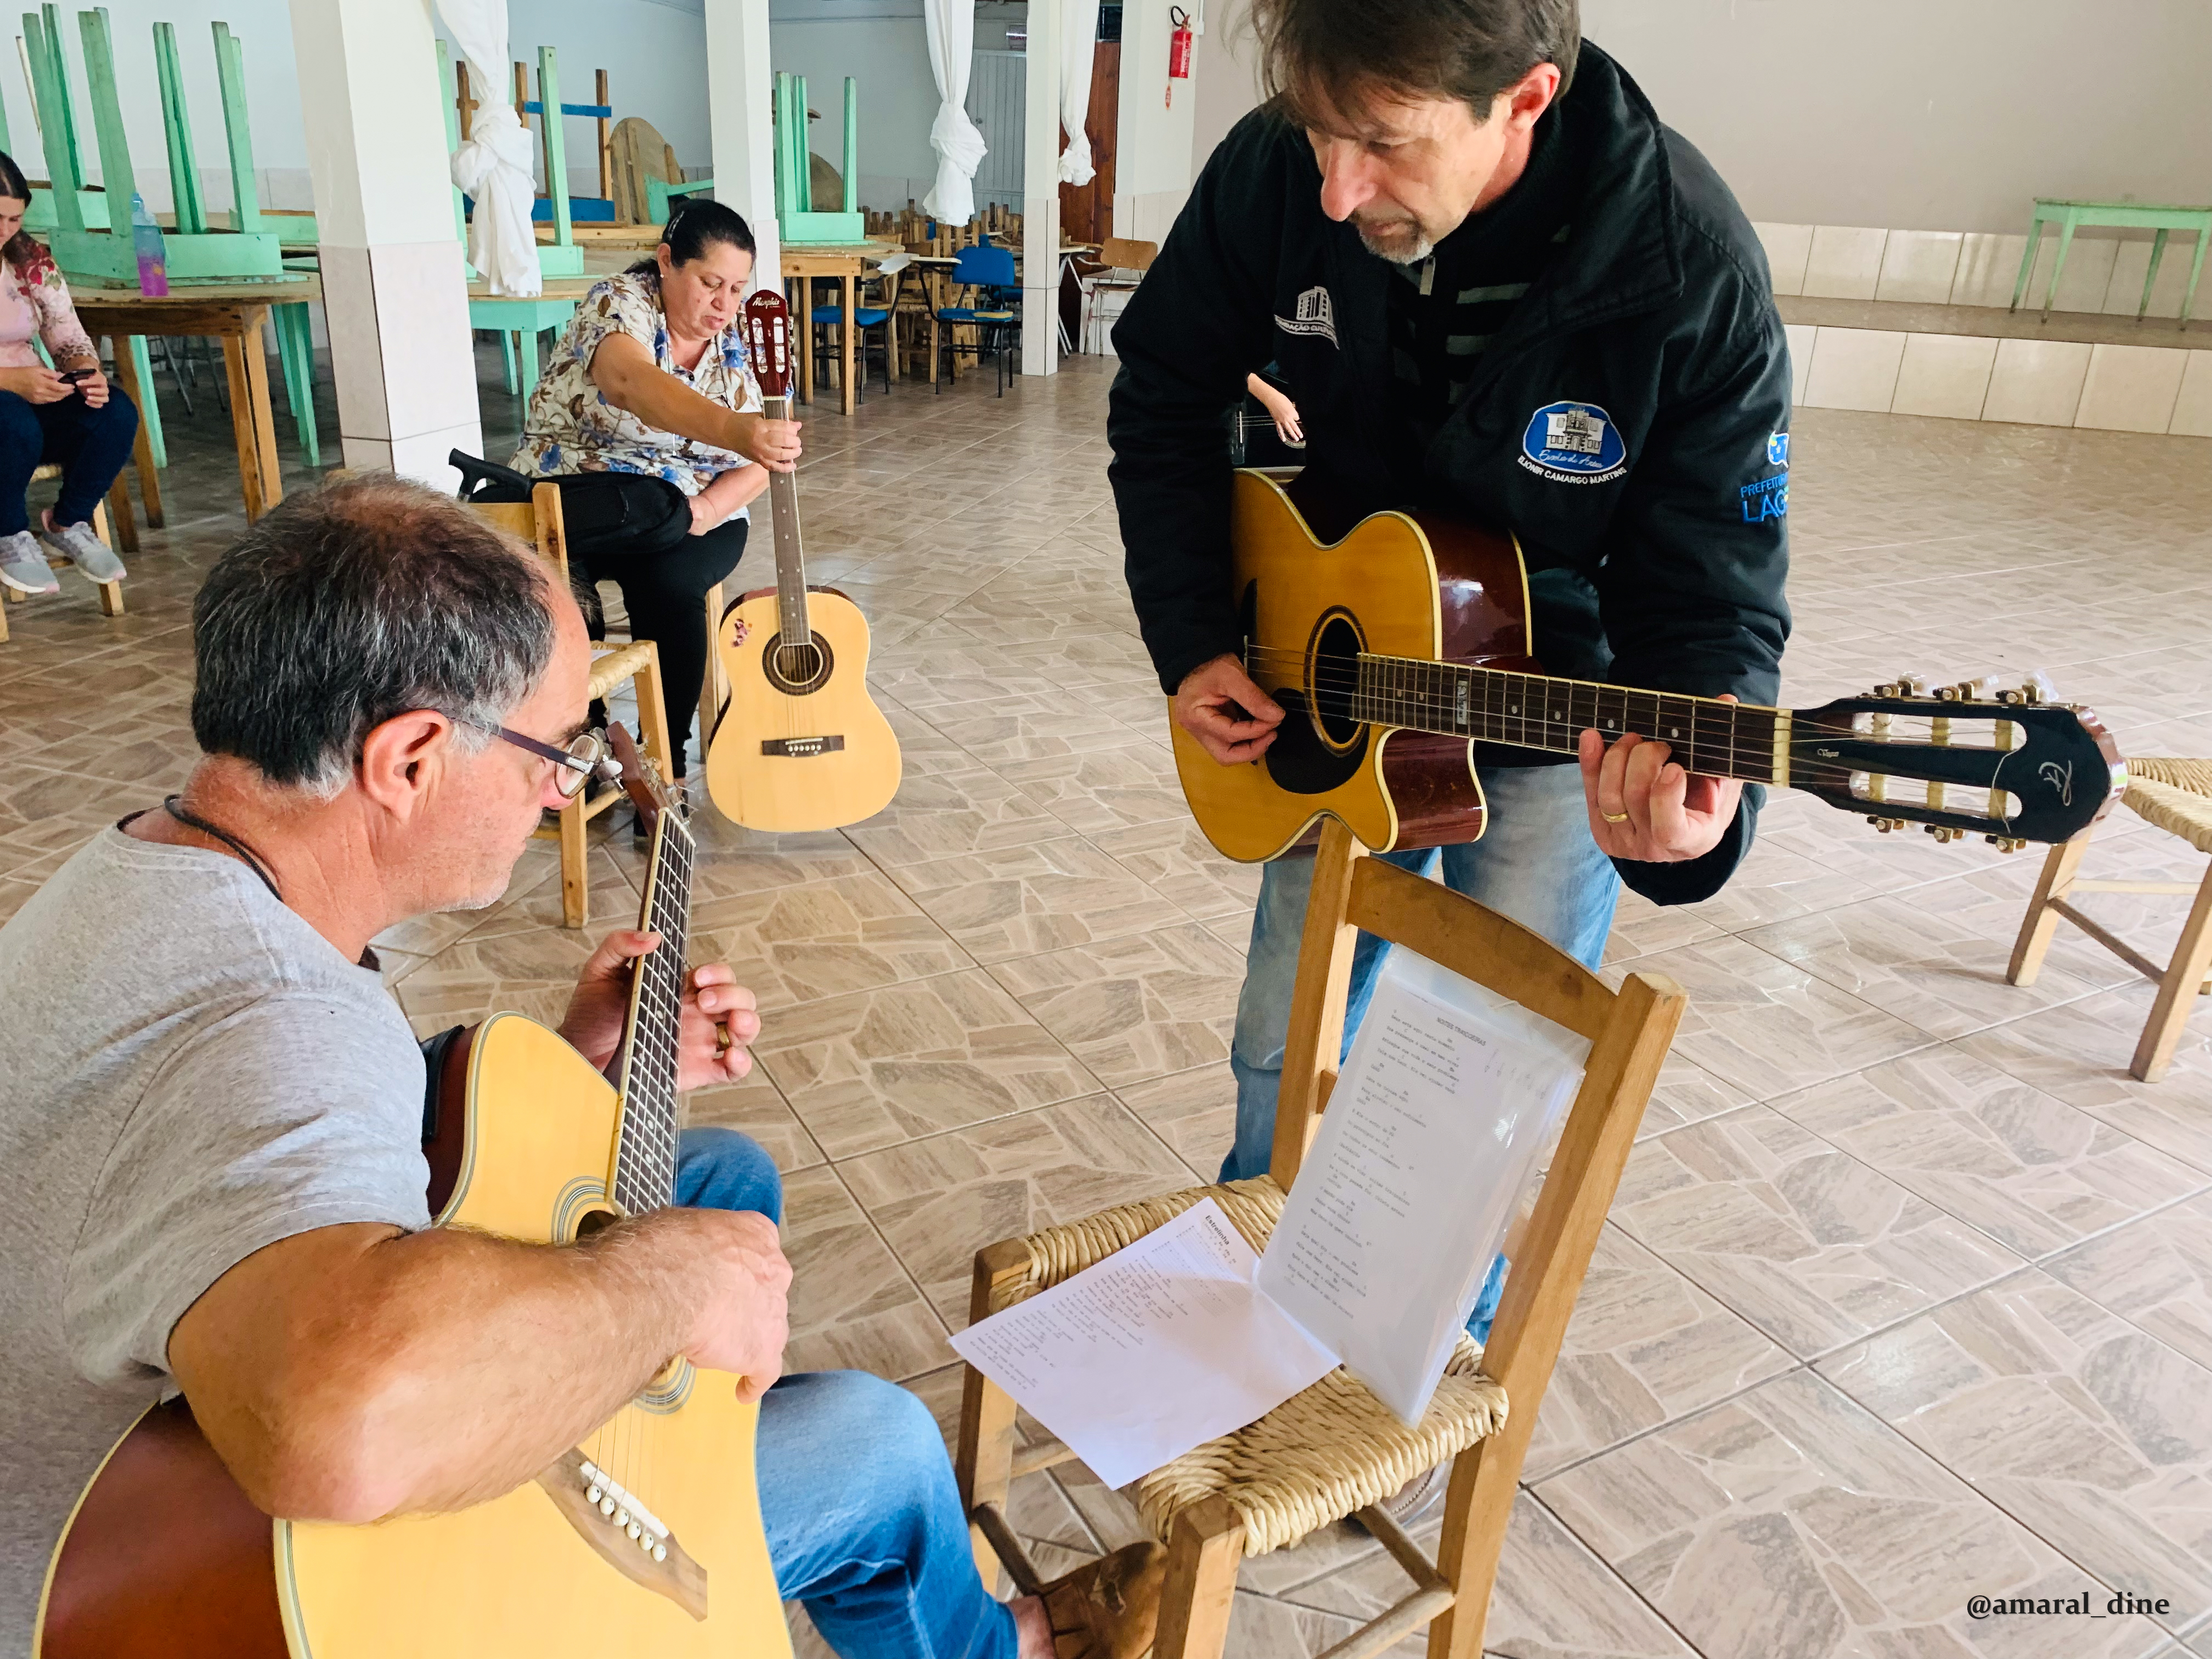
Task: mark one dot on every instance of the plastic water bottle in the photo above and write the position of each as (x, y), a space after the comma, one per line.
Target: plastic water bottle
(153, 257)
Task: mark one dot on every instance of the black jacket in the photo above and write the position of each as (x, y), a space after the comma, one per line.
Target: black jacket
(1658, 560)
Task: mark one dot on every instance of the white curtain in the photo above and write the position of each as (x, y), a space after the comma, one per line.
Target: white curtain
(493, 164)
(959, 146)
(1078, 25)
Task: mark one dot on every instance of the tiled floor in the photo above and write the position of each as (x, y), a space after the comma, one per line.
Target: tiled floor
(1908, 1294)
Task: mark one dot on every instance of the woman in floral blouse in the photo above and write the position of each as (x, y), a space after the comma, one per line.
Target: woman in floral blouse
(68, 413)
(652, 377)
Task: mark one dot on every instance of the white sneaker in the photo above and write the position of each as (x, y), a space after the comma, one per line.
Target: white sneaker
(81, 546)
(23, 568)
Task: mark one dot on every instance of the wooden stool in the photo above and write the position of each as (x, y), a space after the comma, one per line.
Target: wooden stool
(1335, 1450)
(538, 522)
(2176, 795)
(110, 594)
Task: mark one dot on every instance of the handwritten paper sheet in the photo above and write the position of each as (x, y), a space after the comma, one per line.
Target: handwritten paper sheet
(1434, 1126)
(1160, 1348)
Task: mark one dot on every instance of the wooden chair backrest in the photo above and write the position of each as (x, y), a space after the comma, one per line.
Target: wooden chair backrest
(536, 522)
(1629, 1030)
(1124, 253)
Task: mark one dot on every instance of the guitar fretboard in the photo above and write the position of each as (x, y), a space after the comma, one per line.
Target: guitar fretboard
(645, 1152)
(791, 626)
(1534, 711)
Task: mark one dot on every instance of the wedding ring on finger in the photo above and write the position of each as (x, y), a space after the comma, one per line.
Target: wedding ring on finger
(1612, 818)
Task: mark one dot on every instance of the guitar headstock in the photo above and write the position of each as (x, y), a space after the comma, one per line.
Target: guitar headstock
(1960, 760)
(641, 781)
(768, 337)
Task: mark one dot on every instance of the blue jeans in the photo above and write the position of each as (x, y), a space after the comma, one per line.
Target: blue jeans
(863, 1522)
(1536, 863)
(93, 445)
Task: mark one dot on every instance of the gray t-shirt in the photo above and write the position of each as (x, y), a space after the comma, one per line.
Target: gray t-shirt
(191, 1073)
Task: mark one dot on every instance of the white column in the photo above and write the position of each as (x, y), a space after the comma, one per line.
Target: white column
(392, 283)
(1040, 194)
(740, 80)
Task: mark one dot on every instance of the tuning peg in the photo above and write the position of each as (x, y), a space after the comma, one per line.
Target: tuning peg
(1944, 833)
(2007, 843)
(1885, 825)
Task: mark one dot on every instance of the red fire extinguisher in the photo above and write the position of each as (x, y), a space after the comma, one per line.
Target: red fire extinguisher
(1178, 50)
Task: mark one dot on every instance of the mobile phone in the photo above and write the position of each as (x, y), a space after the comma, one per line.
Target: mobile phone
(73, 375)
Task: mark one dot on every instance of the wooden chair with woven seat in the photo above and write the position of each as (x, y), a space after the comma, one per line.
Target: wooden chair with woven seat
(2176, 795)
(1335, 1450)
(110, 594)
(538, 522)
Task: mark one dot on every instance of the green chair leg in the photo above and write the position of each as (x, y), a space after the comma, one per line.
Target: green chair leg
(296, 352)
(528, 344)
(2195, 271)
(2027, 262)
(506, 352)
(2157, 252)
(2058, 265)
(149, 413)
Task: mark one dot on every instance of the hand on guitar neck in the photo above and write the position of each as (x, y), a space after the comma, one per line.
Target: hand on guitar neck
(1642, 805)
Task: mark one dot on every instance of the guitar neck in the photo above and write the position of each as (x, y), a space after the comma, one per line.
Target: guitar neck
(1536, 711)
(790, 559)
(644, 1150)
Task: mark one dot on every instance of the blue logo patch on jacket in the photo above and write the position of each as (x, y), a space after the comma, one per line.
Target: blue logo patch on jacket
(1573, 443)
(1766, 498)
(1777, 450)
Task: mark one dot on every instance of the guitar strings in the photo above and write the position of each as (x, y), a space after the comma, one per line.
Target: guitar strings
(1340, 681)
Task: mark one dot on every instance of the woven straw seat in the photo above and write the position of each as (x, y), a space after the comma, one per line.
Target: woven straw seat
(2176, 796)
(1335, 1450)
(611, 670)
(1316, 1458)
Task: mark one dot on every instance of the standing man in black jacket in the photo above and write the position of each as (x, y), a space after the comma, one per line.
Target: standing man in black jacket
(1495, 297)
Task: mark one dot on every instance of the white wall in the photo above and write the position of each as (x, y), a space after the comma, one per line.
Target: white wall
(1911, 115)
(1226, 65)
(1897, 114)
(1153, 145)
(890, 56)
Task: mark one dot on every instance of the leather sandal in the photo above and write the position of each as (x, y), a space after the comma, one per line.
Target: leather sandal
(1108, 1608)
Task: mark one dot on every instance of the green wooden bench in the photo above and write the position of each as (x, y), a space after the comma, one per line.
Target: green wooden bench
(2070, 217)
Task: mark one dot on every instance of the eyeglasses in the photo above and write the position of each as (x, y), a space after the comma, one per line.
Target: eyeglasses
(585, 754)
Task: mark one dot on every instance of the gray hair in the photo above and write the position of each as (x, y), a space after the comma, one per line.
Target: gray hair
(354, 603)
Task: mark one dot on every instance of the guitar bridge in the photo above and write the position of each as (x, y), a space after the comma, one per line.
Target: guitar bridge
(802, 748)
(626, 1534)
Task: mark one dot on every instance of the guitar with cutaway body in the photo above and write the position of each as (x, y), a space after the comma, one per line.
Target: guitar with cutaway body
(1395, 647)
(800, 744)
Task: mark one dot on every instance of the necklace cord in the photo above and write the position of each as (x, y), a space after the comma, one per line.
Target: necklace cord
(175, 808)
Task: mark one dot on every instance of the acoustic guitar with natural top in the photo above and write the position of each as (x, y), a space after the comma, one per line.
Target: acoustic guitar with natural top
(646, 1539)
(800, 744)
(1395, 642)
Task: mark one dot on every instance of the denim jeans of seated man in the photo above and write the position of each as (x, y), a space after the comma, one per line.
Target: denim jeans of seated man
(863, 1522)
(1536, 863)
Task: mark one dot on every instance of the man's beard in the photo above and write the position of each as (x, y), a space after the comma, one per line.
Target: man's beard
(1402, 242)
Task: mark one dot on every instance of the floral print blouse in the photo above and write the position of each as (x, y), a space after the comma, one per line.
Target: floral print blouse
(572, 428)
(36, 301)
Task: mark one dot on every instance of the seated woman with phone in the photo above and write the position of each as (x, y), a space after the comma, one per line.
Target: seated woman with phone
(652, 377)
(68, 413)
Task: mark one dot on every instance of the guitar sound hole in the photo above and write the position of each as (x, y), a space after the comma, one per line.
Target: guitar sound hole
(796, 669)
(1335, 668)
(595, 1221)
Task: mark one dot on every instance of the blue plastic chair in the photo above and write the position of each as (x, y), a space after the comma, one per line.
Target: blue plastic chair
(991, 268)
(865, 319)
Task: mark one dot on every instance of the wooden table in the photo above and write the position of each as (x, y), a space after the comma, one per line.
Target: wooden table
(847, 261)
(233, 313)
(2070, 216)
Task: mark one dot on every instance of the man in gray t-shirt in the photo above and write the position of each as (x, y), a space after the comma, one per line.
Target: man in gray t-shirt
(211, 1115)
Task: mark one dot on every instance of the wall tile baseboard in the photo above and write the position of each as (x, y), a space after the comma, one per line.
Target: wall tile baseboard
(2113, 388)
